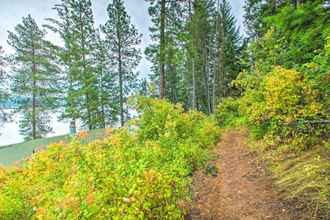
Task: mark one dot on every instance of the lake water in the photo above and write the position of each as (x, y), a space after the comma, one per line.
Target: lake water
(9, 132)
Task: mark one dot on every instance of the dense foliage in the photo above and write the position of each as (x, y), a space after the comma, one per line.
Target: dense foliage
(85, 66)
(122, 39)
(34, 78)
(285, 101)
(276, 83)
(197, 50)
(4, 95)
(138, 173)
(86, 78)
(282, 109)
(91, 72)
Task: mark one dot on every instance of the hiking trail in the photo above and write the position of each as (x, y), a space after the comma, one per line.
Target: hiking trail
(242, 190)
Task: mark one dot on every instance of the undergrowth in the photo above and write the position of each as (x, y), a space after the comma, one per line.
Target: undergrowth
(143, 172)
(278, 108)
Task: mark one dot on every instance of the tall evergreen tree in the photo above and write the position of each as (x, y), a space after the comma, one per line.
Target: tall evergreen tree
(34, 77)
(257, 10)
(199, 48)
(108, 101)
(175, 62)
(166, 52)
(229, 43)
(65, 56)
(122, 40)
(202, 51)
(162, 48)
(76, 27)
(252, 18)
(4, 95)
(2, 63)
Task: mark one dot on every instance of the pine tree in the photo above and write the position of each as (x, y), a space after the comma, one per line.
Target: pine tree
(190, 57)
(107, 86)
(252, 18)
(65, 56)
(158, 10)
(167, 50)
(122, 39)
(174, 52)
(228, 54)
(188, 40)
(202, 51)
(4, 95)
(257, 10)
(76, 27)
(199, 48)
(2, 63)
(162, 48)
(34, 77)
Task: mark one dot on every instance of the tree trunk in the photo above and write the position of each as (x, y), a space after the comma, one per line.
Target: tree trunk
(216, 77)
(89, 115)
(120, 71)
(73, 126)
(274, 6)
(34, 85)
(172, 93)
(103, 124)
(214, 88)
(206, 77)
(162, 49)
(294, 3)
(121, 87)
(175, 95)
(86, 80)
(194, 101)
(222, 58)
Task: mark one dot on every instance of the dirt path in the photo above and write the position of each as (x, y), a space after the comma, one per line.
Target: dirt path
(240, 191)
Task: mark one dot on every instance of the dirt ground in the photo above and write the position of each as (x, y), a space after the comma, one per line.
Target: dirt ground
(240, 191)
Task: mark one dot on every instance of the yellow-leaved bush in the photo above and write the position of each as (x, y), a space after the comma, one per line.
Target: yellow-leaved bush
(285, 110)
(284, 107)
(140, 172)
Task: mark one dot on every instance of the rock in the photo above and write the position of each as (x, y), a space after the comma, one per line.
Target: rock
(39, 149)
(212, 170)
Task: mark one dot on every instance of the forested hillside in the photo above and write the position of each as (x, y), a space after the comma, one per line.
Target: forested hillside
(285, 98)
(208, 81)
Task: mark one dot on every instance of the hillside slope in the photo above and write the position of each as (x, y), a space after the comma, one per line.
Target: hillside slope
(140, 173)
(16, 152)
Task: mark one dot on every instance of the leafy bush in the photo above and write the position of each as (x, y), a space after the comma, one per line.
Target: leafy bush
(282, 108)
(284, 105)
(286, 100)
(141, 173)
(228, 113)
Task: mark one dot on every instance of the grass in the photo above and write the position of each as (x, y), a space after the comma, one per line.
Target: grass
(16, 152)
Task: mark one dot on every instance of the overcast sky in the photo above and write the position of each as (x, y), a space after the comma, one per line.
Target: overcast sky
(12, 11)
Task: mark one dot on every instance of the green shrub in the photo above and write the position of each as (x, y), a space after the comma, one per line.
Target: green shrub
(283, 108)
(228, 113)
(142, 173)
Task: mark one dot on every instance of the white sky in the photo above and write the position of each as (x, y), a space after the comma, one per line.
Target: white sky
(12, 11)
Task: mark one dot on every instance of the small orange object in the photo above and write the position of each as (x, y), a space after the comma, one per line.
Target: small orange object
(327, 77)
(108, 131)
(82, 134)
(57, 144)
(90, 198)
